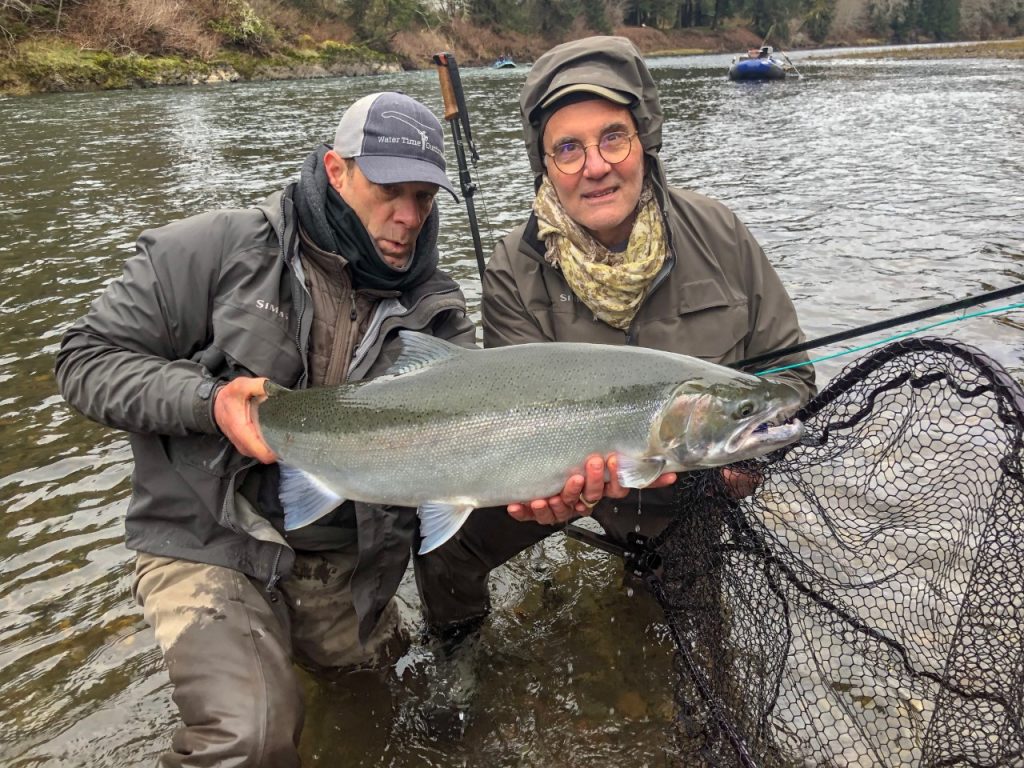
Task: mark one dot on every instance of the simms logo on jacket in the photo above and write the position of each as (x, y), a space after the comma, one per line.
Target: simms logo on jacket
(266, 306)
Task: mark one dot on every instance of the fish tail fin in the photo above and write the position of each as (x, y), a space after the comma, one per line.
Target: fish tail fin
(439, 521)
(304, 498)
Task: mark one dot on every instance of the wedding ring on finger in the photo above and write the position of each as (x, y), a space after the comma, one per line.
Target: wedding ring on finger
(588, 504)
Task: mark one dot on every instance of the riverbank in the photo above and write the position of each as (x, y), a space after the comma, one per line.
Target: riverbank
(994, 49)
(55, 65)
(44, 66)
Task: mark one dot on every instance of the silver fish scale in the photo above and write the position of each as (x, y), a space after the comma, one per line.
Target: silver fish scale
(480, 427)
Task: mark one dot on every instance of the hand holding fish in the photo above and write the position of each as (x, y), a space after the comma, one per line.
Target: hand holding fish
(581, 493)
(739, 483)
(235, 413)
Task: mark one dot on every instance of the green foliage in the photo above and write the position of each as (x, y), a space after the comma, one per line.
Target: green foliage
(376, 22)
(652, 13)
(596, 16)
(940, 19)
(501, 14)
(56, 66)
(911, 20)
(242, 27)
(817, 18)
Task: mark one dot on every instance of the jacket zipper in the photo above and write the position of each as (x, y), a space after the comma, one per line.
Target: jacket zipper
(300, 295)
(275, 577)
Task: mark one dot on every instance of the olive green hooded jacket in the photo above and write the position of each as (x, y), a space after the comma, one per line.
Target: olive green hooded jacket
(717, 297)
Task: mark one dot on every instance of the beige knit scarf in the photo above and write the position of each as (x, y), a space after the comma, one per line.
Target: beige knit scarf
(612, 284)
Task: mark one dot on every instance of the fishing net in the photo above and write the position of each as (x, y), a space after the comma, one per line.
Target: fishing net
(864, 606)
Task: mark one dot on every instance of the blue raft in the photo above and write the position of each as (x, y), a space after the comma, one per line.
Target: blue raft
(761, 64)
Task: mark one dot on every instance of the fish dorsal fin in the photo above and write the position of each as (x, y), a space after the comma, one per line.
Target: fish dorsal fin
(421, 351)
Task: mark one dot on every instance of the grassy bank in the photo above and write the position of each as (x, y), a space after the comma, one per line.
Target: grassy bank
(993, 49)
(55, 65)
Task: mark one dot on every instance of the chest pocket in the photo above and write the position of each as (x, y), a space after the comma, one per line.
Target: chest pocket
(702, 321)
(252, 345)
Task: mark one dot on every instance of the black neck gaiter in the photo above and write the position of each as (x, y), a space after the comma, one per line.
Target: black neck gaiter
(335, 227)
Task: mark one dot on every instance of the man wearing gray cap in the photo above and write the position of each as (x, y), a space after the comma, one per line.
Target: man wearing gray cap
(310, 288)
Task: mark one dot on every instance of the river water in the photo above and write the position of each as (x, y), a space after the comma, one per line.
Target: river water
(877, 187)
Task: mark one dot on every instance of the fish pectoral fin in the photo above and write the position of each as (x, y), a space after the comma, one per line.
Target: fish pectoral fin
(420, 351)
(304, 498)
(639, 472)
(439, 521)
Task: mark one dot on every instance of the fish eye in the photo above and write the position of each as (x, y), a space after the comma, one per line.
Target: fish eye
(745, 409)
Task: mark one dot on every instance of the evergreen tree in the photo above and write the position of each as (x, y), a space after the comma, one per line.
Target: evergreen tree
(940, 19)
(817, 18)
(376, 22)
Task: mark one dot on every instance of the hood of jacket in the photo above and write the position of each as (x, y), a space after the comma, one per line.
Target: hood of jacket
(611, 62)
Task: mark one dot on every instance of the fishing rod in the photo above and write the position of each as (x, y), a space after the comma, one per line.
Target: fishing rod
(798, 72)
(457, 115)
(765, 42)
(882, 325)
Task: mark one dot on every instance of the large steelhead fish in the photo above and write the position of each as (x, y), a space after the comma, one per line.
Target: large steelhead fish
(448, 429)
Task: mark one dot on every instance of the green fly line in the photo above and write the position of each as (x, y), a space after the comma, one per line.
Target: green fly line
(886, 340)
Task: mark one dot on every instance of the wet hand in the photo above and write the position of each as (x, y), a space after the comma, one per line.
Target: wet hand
(581, 493)
(234, 410)
(740, 484)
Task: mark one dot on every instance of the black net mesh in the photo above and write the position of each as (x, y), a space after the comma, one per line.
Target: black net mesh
(864, 606)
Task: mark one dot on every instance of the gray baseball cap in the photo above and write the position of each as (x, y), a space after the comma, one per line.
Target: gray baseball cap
(393, 139)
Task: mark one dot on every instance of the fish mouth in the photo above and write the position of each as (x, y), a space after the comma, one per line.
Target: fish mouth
(765, 432)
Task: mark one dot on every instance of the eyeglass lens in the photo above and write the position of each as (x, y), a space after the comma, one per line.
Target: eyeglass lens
(614, 147)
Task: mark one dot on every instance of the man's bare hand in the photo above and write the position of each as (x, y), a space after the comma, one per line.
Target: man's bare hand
(739, 484)
(234, 410)
(581, 493)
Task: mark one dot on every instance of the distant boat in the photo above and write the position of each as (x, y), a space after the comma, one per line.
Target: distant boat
(503, 62)
(759, 64)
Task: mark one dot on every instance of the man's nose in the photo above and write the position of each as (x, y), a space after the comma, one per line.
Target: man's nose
(594, 164)
(408, 212)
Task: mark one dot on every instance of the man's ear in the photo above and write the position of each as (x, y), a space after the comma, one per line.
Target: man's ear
(336, 169)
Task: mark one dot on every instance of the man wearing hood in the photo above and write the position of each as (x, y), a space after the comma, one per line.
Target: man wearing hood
(611, 254)
(308, 289)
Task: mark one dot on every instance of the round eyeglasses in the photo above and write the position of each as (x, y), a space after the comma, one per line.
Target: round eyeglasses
(571, 156)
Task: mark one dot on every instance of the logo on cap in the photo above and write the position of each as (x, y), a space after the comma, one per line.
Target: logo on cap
(393, 139)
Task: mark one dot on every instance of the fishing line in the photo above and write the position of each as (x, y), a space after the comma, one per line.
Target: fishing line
(883, 325)
(981, 313)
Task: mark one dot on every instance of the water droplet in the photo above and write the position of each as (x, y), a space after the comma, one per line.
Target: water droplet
(629, 591)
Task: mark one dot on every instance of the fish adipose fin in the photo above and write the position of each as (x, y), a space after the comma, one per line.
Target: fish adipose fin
(639, 472)
(421, 351)
(439, 521)
(304, 498)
